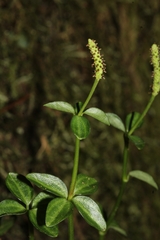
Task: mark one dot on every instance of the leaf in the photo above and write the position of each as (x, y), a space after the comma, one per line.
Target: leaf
(90, 211)
(34, 218)
(11, 207)
(37, 214)
(113, 225)
(85, 185)
(78, 107)
(58, 210)
(138, 142)
(115, 121)
(80, 127)
(97, 114)
(49, 183)
(61, 106)
(143, 176)
(5, 225)
(41, 198)
(20, 187)
(131, 120)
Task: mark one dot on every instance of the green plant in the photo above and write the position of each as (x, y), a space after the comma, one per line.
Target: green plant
(56, 202)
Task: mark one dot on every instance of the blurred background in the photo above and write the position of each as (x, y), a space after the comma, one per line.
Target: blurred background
(44, 58)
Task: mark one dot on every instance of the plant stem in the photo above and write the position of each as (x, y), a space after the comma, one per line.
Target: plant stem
(142, 115)
(117, 204)
(75, 169)
(76, 162)
(71, 227)
(72, 186)
(101, 237)
(125, 158)
(76, 156)
(89, 97)
(125, 162)
(31, 230)
(123, 183)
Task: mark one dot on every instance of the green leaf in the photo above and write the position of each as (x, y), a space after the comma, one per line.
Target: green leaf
(11, 207)
(5, 225)
(113, 225)
(97, 114)
(143, 176)
(85, 185)
(80, 127)
(138, 142)
(78, 107)
(61, 106)
(37, 214)
(115, 121)
(20, 187)
(41, 198)
(90, 211)
(58, 210)
(38, 220)
(131, 120)
(49, 183)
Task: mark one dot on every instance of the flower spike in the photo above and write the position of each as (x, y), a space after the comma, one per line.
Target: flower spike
(97, 58)
(156, 69)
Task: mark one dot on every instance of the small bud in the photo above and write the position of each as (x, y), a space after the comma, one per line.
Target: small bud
(156, 69)
(97, 58)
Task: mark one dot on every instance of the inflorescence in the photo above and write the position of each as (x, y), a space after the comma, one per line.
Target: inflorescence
(97, 58)
(156, 69)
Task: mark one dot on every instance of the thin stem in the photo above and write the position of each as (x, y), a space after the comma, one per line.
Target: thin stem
(123, 183)
(142, 115)
(101, 236)
(72, 186)
(89, 97)
(71, 227)
(125, 158)
(31, 230)
(117, 204)
(76, 157)
(75, 169)
(125, 162)
(76, 162)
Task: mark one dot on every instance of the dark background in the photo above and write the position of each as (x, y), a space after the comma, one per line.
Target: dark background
(43, 58)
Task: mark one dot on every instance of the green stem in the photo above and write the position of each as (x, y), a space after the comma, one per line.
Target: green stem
(72, 186)
(76, 157)
(75, 169)
(31, 230)
(123, 183)
(125, 158)
(125, 162)
(71, 227)
(142, 115)
(76, 162)
(101, 236)
(89, 97)
(117, 204)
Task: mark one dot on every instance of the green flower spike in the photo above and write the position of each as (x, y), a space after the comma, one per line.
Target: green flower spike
(156, 68)
(97, 58)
